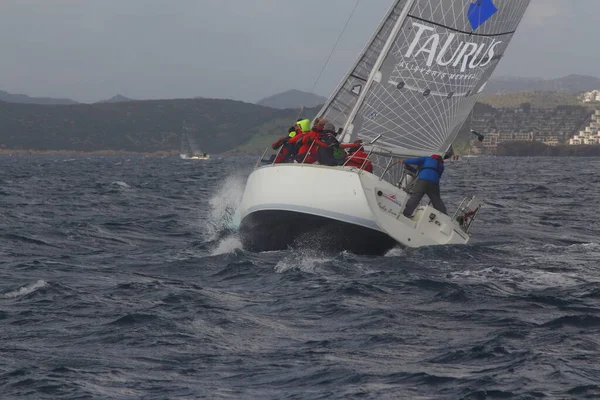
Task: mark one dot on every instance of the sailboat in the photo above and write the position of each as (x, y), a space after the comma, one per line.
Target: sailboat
(189, 148)
(408, 94)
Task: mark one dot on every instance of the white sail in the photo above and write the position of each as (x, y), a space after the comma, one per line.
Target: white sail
(434, 61)
(189, 147)
(340, 104)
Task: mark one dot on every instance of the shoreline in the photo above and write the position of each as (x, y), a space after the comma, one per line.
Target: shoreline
(592, 151)
(21, 152)
(173, 153)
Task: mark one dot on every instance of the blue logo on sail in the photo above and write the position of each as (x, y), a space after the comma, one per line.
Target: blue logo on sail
(480, 12)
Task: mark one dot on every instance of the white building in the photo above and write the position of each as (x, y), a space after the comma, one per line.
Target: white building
(589, 97)
(492, 140)
(590, 134)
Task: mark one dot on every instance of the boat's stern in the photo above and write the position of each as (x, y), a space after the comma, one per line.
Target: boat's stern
(427, 227)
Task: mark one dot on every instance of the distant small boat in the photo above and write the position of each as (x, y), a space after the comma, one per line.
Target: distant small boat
(189, 148)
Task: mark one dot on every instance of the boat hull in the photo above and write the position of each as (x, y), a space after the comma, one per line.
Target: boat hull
(287, 205)
(186, 157)
(271, 230)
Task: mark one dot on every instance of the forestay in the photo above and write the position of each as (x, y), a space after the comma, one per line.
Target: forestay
(338, 107)
(418, 90)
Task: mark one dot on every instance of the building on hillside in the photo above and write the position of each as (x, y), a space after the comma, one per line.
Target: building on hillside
(590, 134)
(551, 126)
(492, 140)
(548, 124)
(551, 141)
(592, 96)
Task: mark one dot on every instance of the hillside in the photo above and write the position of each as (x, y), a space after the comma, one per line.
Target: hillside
(568, 84)
(24, 99)
(292, 99)
(141, 126)
(230, 126)
(536, 99)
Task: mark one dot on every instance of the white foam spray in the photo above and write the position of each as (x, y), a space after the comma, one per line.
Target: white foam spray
(223, 214)
(224, 206)
(25, 290)
(227, 245)
(396, 252)
(121, 184)
(305, 260)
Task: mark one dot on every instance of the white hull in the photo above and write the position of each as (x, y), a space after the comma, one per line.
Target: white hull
(357, 202)
(185, 157)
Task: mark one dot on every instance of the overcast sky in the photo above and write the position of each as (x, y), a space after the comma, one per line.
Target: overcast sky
(90, 50)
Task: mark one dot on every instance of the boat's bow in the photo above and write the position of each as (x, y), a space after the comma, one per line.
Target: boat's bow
(309, 205)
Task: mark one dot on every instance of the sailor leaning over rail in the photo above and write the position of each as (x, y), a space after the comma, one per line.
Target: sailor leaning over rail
(287, 149)
(428, 183)
(310, 141)
(357, 157)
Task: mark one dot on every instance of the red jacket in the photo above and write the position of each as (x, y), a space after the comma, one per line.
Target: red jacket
(310, 141)
(284, 151)
(357, 159)
(314, 137)
(280, 142)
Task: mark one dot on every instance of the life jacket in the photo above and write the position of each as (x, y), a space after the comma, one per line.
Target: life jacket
(437, 167)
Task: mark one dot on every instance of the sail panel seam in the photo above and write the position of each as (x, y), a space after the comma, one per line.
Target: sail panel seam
(461, 31)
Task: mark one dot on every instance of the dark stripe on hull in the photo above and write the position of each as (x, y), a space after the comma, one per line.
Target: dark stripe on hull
(279, 230)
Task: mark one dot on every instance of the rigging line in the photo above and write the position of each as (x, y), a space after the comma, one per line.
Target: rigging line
(461, 31)
(335, 45)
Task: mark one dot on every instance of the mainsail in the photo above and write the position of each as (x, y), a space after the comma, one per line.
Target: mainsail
(420, 76)
(189, 147)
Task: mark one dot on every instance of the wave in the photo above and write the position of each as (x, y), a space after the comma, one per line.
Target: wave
(302, 260)
(134, 319)
(25, 290)
(120, 184)
(576, 321)
(26, 239)
(228, 245)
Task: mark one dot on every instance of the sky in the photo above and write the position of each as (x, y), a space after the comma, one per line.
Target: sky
(90, 50)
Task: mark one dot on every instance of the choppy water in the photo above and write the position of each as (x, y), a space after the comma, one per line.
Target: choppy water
(122, 278)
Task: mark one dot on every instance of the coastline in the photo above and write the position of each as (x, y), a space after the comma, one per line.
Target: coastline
(20, 152)
(515, 149)
(537, 149)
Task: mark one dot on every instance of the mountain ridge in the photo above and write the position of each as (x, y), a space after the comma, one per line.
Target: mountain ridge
(25, 99)
(118, 98)
(567, 84)
(292, 99)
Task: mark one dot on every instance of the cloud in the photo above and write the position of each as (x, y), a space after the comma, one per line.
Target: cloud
(244, 49)
(542, 12)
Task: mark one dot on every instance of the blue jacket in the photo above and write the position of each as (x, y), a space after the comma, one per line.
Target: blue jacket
(430, 169)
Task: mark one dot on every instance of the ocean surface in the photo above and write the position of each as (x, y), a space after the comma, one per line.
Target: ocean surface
(123, 278)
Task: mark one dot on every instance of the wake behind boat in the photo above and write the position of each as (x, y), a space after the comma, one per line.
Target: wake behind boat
(408, 94)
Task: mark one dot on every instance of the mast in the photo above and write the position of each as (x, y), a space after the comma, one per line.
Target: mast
(358, 59)
(378, 63)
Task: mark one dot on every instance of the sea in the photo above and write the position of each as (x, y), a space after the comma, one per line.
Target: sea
(122, 277)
